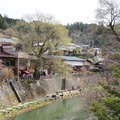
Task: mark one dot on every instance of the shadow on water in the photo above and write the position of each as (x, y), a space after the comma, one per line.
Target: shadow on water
(69, 109)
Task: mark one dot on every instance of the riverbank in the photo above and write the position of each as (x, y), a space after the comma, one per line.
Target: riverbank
(13, 111)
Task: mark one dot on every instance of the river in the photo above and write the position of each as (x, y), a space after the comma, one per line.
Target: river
(68, 109)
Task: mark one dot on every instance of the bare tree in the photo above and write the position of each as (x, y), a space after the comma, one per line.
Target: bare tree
(109, 12)
(9, 32)
(38, 16)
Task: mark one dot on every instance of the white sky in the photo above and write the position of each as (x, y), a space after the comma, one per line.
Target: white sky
(66, 11)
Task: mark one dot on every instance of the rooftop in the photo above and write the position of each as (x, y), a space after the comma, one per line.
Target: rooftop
(67, 58)
(71, 58)
(5, 55)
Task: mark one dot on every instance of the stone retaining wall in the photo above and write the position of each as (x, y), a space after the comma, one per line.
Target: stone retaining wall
(33, 90)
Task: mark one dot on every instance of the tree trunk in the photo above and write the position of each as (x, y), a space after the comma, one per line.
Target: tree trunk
(114, 32)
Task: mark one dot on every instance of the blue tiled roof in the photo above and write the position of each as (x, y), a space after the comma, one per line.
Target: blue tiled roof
(67, 58)
(71, 58)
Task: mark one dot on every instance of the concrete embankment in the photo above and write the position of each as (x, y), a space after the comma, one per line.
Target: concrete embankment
(11, 111)
(32, 90)
(38, 92)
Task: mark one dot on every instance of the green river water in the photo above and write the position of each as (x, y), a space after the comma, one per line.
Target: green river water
(68, 109)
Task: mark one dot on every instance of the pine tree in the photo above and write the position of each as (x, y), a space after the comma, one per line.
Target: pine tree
(108, 106)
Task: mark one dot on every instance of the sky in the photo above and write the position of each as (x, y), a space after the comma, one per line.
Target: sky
(64, 11)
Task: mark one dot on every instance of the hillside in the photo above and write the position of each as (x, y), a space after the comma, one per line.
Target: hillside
(92, 34)
(81, 33)
(6, 22)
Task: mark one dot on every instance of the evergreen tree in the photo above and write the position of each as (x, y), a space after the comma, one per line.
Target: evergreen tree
(108, 106)
(3, 24)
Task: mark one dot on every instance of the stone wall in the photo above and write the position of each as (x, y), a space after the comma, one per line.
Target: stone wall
(37, 89)
(7, 95)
